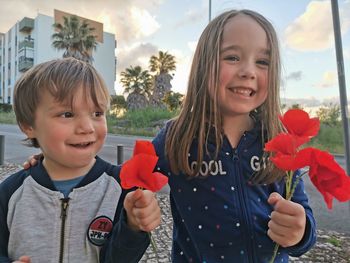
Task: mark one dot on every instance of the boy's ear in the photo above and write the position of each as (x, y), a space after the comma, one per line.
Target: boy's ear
(28, 130)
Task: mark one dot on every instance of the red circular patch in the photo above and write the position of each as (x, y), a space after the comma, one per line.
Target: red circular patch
(99, 230)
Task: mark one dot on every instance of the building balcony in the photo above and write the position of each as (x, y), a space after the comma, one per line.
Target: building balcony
(25, 44)
(26, 24)
(25, 63)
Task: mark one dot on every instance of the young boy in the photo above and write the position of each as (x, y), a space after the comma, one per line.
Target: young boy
(70, 207)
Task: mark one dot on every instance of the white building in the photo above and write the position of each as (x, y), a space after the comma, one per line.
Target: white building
(29, 42)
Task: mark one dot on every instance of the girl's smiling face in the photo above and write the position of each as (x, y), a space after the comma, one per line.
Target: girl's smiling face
(244, 66)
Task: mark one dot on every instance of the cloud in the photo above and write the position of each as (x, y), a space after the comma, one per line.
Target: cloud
(129, 20)
(192, 45)
(135, 55)
(297, 75)
(329, 79)
(193, 16)
(313, 30)
(183, 65)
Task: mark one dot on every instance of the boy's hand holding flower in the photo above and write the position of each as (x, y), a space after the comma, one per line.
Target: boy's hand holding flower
(288, 221)
(143, 212)
(138, 172)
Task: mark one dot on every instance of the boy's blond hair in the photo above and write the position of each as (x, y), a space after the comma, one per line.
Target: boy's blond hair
(61, 78)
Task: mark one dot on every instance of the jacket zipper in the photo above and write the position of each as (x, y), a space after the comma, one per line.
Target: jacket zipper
(243, 200)
(64, 207)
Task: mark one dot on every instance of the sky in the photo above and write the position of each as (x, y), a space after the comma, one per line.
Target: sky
(142, 28)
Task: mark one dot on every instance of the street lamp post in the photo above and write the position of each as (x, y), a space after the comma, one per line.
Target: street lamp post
(341, 81)
(209, 10)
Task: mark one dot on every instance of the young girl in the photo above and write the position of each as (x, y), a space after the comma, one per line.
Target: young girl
(226, 198)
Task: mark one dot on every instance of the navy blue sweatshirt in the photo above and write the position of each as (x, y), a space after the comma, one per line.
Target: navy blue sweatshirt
(223, 217)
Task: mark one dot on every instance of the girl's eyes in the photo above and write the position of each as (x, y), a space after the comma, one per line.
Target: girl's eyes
(263, 62)
(231, 58)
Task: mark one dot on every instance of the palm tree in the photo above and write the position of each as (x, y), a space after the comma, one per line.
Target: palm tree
(137, 84)
(161, 66)
(75, 37)
(164, 63)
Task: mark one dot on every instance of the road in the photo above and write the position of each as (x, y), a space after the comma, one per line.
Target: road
(16, 152)
(336, 219)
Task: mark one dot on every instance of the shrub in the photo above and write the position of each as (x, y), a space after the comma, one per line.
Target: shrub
(5, 107)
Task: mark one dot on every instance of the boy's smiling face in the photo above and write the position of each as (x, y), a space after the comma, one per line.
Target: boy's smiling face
(69, 135)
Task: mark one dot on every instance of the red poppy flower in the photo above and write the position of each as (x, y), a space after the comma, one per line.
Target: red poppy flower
(328, 177)
(285, 143)
(138, 171)
(285, 147)
(299, 123)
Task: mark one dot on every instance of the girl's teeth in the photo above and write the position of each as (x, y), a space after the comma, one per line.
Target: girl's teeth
(243, 92)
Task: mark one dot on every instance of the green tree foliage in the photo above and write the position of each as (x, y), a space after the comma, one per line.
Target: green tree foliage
(296, 106)
(164, 63)
(136, 80)
(118, 104)
(329, 115)
(75, 37)
(173, 100)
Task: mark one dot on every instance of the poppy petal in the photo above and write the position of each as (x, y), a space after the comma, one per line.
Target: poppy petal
(138, 171)
(285, 143)
(144, 147)
(298, 122)
(329, 177)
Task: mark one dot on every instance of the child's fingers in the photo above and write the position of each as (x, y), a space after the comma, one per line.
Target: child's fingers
(143, 210)
(282, 219)
(284, 206)
(145, 199)
(276, 238)
(131, 198)
(26, 259)
(32, 161)
(279, 229)
(23, 259)
(26, 165)
(274, 198)
(148, 220)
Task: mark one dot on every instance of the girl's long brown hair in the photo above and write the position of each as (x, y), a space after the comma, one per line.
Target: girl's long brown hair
(200, 114)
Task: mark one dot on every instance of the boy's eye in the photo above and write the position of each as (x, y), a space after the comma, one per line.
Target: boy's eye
(98, 113)
(67, 114)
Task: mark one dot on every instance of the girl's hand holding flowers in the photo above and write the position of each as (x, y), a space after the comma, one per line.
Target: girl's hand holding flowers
(287, 224)
(288, 220)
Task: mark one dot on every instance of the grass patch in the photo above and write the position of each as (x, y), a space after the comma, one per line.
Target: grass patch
(329, 138)
(145, 122)
(334, 241)
(8, 117)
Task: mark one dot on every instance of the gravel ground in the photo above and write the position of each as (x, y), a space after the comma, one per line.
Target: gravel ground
(331, 246)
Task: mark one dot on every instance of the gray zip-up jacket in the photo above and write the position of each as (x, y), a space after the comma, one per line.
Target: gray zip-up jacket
(88, 226)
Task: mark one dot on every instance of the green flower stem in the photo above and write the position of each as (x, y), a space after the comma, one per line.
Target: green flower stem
(153, 243)
(290, 189)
